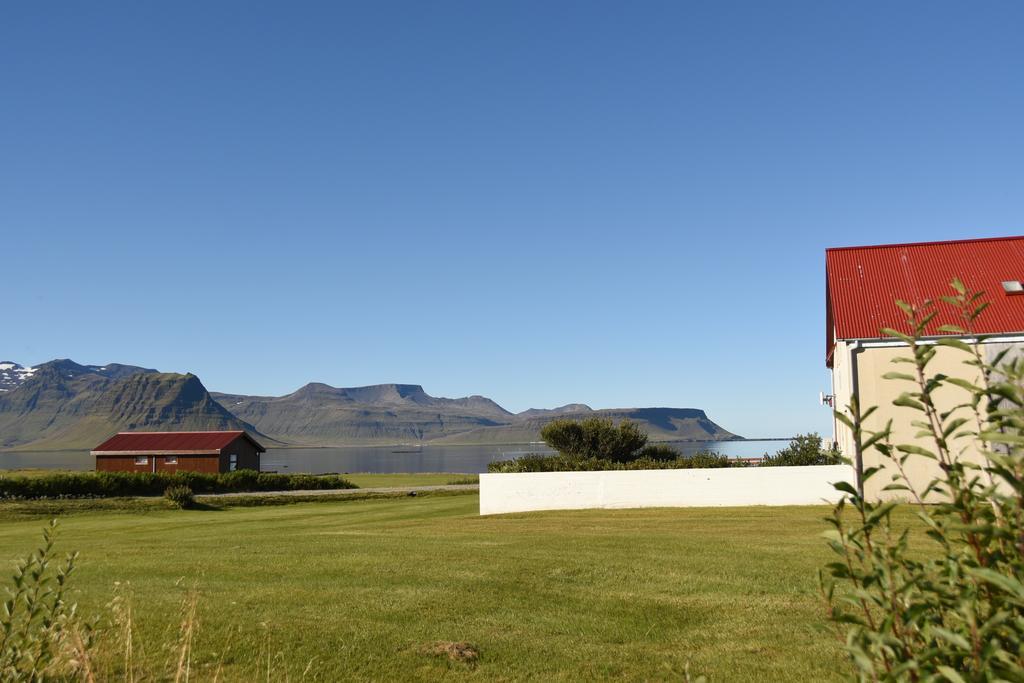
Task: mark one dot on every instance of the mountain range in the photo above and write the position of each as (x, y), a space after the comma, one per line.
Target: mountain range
(65, 405)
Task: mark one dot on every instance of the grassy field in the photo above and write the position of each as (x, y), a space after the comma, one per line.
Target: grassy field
(365, 481)
(359, 590)
(28, 472)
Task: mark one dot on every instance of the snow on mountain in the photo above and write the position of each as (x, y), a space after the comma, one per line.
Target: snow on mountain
(12, 375)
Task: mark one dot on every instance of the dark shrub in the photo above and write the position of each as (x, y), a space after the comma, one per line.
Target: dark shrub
(658, 451)
(804, 449)
(705, 460)
(119, 484)
(181, 496)
(595, 437)
(562, 463)
(241, 480)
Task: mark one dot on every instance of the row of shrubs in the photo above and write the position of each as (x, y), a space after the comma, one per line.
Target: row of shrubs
(803, 450)
(559, 462)
(115, 484)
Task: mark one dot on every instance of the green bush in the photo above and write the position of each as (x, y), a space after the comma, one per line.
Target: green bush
(804, 449)
(953, 611)
(180, 496)
(118, 484)
(658, 451)
(595, 437)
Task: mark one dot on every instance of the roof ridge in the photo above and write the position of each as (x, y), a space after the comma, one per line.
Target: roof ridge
(191, 431)
(925, 244)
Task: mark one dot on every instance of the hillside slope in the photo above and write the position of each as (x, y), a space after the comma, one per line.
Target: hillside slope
(67, 405)
(661, 424)
(319, 414)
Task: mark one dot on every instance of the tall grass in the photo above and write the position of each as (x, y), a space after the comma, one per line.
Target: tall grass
(43, 638)
(463, 480)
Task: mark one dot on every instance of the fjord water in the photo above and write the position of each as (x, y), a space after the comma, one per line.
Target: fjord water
(382, 459)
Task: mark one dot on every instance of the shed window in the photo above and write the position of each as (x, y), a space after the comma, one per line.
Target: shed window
(141, 460)
(171, 460)
(232, 462)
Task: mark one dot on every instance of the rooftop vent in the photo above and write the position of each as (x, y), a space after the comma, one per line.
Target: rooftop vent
(1013, 287)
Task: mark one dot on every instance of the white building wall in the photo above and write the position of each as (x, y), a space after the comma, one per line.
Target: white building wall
(522, 492)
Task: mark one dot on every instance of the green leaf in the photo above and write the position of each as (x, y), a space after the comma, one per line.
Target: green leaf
(953, 426)
(881, 511)
(899, 375)
(953, 638)
(889, 332)
(915, 450)
(845, 487)
(1006, 583)
(832, 535)
(964, 384)
(956, 344)
(907, 401)
(1000, 437)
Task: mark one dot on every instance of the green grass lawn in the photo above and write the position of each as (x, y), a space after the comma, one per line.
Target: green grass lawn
(360, 588)
(365, 480)
(29, 472)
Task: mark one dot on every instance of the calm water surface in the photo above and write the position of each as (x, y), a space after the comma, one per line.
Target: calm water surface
(381, 459)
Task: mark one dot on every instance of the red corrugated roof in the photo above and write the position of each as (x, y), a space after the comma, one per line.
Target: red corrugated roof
(173, 441)
(863, 284)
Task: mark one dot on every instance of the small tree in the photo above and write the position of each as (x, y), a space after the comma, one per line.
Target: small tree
(956, 611)
(804, 449)
(595, 437)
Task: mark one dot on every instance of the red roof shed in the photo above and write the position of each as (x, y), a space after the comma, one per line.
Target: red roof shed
(178, 442)
(863, 284)
(175, 451)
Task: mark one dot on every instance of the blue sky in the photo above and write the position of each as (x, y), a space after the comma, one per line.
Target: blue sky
(623, 204)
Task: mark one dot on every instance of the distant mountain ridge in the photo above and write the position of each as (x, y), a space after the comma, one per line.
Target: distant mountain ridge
(661, 424)
(319, 414)
(62, 404)
(66, 405)
(570, 409)
(13, 375)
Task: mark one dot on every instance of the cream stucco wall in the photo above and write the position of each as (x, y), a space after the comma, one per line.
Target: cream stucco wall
(871, 364)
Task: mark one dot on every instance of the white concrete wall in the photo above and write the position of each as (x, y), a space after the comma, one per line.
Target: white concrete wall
(500, 493)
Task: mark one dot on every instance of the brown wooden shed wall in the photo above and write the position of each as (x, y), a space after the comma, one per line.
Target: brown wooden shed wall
(126, 463)
(248, 457)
